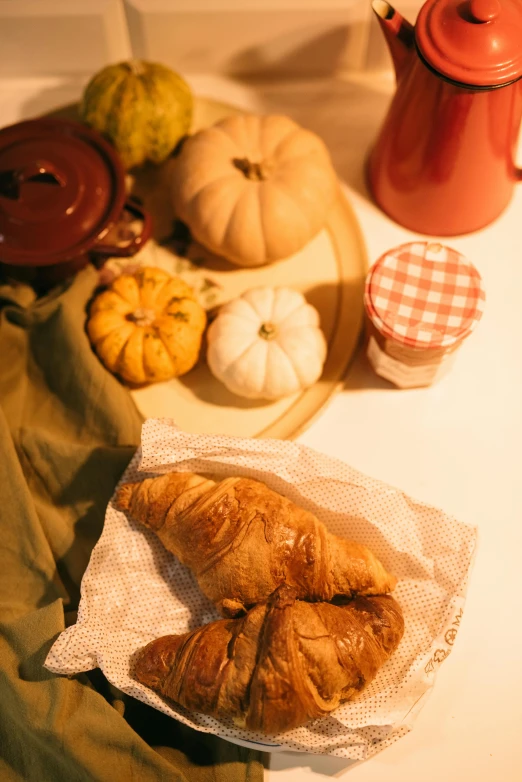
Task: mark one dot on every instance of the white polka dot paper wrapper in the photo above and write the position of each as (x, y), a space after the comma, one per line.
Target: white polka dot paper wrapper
(134, 590)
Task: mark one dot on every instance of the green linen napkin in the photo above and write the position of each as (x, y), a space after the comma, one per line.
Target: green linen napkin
(67, 431)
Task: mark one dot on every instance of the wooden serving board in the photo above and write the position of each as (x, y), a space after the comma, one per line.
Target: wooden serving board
(329, 271)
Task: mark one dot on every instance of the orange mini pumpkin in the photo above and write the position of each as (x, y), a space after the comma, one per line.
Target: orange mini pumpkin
(147, 327)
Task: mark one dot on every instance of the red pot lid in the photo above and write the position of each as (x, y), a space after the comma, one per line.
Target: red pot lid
(424, 295)
(476, 42)
(61, 185)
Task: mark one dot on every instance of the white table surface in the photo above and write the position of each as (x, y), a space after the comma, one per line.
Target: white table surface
(456, 445)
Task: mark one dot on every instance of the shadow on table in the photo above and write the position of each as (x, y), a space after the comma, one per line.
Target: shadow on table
(315, 52)
(360, 375)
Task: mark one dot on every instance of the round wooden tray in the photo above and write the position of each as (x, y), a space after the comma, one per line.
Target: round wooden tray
(329, 271)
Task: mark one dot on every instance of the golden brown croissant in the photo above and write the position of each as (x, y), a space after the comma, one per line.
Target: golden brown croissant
(286, 662)
(242, 540)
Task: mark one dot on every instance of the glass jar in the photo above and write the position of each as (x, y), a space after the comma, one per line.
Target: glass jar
(422, 300)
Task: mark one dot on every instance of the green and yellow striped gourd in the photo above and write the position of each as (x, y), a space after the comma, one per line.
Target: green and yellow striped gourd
(143, 108)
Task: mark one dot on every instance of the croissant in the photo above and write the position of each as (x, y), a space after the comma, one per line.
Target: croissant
(242, 540)
(286, 662)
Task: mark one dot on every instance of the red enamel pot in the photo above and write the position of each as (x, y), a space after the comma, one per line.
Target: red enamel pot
(62, 192)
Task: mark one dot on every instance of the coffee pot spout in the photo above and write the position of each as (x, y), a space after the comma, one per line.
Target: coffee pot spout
(399, 35)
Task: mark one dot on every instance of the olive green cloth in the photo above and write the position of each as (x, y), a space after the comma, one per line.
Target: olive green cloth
(67, 431)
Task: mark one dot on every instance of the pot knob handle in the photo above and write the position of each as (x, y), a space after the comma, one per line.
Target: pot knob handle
(37, 171)
(484, 10)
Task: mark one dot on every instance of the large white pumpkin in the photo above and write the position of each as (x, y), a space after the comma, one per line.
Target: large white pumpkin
(254, 189)
(267, 344)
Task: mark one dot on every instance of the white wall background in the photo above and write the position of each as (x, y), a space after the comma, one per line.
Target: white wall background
(242, 38)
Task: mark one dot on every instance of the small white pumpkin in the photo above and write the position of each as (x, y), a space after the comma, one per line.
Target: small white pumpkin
(267, 344)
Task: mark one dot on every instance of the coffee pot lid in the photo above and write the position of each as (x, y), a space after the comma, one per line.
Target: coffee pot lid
(473, 42)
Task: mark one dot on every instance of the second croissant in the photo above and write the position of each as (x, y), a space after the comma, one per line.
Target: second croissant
(286, 662)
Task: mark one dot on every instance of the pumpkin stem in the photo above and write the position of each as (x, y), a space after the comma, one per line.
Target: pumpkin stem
(250, 169)
(267, 331)
(136, 67)
(141, 316)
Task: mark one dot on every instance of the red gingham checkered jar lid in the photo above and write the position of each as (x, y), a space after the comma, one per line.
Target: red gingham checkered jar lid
(424, 295)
